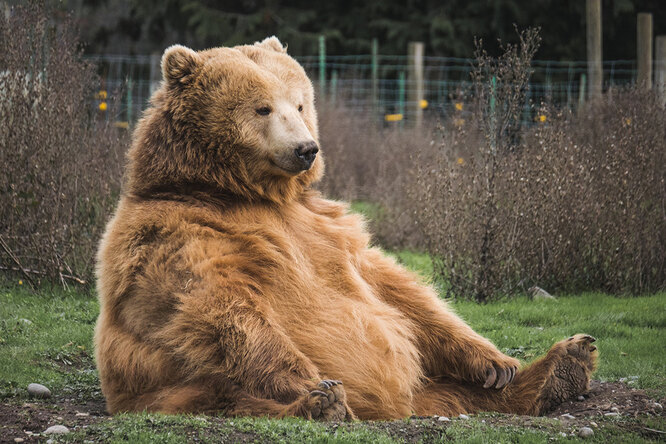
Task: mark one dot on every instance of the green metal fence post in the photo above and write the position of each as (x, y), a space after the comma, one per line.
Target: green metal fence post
(334, 85)
(322, 66)
(581, 90)
(401, 97)
(493, 122)
(129, 101)
(375, 76)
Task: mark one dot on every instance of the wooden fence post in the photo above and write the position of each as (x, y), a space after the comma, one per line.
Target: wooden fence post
(660, 67)
(644, 50)
(415, 82)
(594, 49)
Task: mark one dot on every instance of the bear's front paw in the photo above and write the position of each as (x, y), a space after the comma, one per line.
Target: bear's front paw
(499, 371)
(327, 402)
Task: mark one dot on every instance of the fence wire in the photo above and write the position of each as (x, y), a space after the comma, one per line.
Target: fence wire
(348, 80)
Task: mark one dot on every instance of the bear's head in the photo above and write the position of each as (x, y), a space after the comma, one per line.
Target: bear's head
(239, 122)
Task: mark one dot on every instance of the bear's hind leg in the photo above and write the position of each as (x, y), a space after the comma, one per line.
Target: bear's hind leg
(562, 374)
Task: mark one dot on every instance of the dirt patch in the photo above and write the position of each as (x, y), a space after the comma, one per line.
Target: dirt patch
(611, 397)
(27, 420)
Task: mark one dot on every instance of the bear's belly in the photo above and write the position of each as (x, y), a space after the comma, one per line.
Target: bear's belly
(362, 341)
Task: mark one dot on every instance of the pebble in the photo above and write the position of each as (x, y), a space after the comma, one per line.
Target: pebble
(585, 432)
(581, 398)
(562, 434)
(609, 414)
(594, 424)
(658, 406)
(56, 430)
(463, 417)
(568, 416)
(49, 441)
(19, 439)
(39, 391)
(82, 414)
(443, 419)
(615, 409)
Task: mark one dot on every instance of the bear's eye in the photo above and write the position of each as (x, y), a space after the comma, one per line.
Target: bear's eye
(263, 111)
(300, 108)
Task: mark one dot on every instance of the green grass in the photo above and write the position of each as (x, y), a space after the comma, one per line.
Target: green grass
(630, 332)
(46, 337)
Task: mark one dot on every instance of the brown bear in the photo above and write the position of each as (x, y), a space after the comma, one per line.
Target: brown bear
(227, 284)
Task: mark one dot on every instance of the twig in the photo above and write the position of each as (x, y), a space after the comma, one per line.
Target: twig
(655, 431)
(76, 279)
(17, 262)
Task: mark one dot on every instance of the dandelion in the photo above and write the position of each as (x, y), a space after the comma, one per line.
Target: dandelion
(459, 106)
(627, 121)
(461, 161)
(541, 118)
(102, 106)
(20, 282)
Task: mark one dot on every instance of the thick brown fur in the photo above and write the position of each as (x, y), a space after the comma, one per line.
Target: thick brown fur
(228, 285)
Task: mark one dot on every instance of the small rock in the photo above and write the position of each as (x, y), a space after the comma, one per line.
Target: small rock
(49, 441)
(584, 432)
(539, 293)
(658, 406)
(443, 419)
(463, 417)
(568, 416)
(615, 409)
(594, 424)
(581, 398)
(56, 430)
(611, 414)
(19, 439)
(26, 321)
(563, 435)
(38, 391)
(82, 414)
(623, 379)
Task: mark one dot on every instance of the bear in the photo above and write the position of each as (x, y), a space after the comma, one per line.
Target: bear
(228, 284)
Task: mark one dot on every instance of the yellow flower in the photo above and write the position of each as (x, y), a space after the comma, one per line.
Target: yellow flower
(627, 121)
(461, 161)
(459, 122)
(20, 282)
(542, 117)
(102, 106)
(459, 106)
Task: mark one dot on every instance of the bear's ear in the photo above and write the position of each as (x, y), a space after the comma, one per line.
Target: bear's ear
(272, 43)
(179, 63)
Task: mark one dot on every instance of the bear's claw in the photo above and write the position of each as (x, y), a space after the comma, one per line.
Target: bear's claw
(499, 377)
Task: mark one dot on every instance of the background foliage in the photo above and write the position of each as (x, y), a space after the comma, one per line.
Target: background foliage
(447, 28)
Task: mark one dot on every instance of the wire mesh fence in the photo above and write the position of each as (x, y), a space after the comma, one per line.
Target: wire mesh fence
(373, 85)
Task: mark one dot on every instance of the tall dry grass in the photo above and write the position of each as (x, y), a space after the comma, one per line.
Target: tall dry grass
(61, 163)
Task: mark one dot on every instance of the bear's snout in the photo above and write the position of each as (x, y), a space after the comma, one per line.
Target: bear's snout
(306, 153)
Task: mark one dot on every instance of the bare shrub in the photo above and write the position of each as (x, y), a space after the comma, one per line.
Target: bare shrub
(61, 162)
(575, 202)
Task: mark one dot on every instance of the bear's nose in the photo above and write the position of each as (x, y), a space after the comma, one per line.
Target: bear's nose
(306, 153)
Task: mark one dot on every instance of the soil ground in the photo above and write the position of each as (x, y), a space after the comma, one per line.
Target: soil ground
(28, 420)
